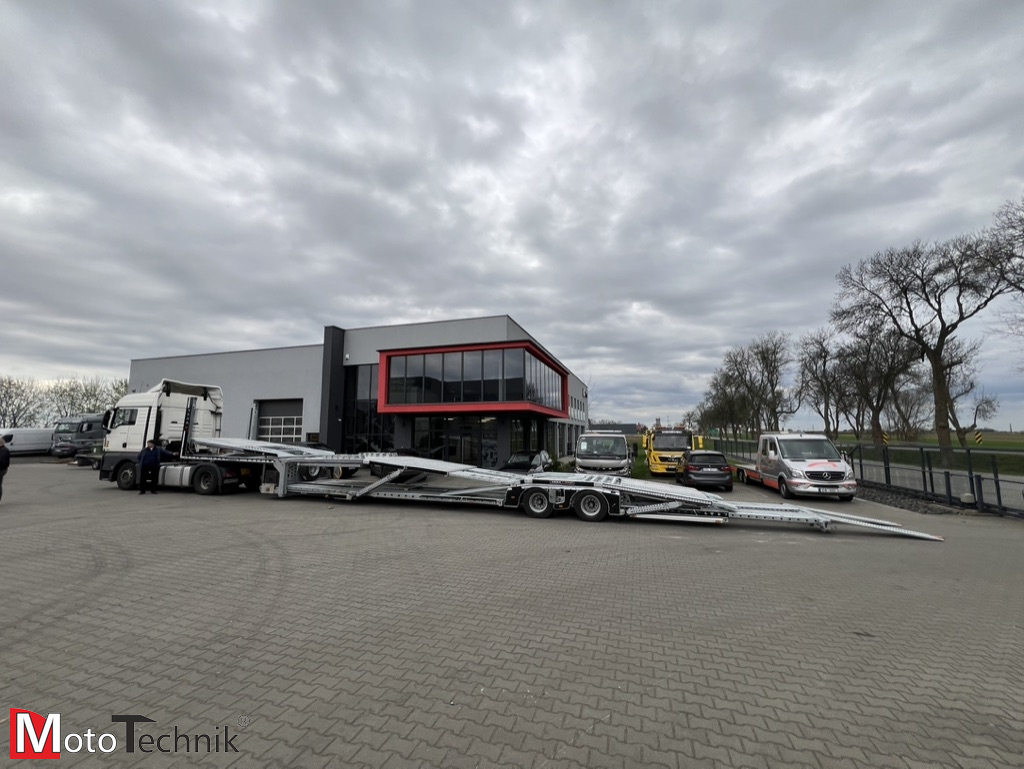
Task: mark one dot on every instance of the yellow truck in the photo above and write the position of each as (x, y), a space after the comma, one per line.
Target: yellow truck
(664, 447)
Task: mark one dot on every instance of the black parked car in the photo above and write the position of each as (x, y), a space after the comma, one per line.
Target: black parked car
(528, 462)
(704, 469)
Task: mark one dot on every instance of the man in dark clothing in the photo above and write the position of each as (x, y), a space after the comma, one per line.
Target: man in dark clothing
(149, 465)
(5, 462)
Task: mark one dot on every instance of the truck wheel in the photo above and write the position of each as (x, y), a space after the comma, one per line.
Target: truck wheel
(590, 506)
(784, 490)
(126, 477)
(536, 504)
(204, 481)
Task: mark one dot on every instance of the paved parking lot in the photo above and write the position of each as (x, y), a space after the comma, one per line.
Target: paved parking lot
(313, 633)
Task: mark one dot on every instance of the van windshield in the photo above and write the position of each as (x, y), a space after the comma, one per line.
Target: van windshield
(600, 446)
(66, 427)
(808, 448)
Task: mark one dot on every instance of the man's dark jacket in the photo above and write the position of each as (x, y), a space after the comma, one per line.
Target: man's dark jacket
(152, 457)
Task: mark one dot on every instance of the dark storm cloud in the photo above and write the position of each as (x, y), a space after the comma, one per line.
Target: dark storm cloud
(642, 186)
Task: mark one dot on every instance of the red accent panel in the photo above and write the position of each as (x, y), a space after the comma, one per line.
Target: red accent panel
(477, 407)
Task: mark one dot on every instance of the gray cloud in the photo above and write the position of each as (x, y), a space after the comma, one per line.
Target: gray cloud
(642, 187)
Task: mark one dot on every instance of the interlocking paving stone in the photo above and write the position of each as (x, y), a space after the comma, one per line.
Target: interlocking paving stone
(389, 635)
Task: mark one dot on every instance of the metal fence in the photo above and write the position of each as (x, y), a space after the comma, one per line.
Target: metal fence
(975, 480)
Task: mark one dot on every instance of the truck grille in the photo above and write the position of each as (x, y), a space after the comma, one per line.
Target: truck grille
(825, 475)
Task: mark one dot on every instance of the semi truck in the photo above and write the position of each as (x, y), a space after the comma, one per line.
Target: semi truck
(185, 418)
(800, 464)
(178, 416)
(664, 448)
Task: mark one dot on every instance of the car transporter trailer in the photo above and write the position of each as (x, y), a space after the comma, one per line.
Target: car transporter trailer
(590, 497)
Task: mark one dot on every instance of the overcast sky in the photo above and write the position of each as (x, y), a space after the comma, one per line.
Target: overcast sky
(641, 185)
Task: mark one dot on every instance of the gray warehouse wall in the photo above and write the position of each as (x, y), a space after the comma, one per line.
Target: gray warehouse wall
(245, 376)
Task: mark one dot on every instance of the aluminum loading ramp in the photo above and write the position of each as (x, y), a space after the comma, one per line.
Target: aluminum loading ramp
(431, 480)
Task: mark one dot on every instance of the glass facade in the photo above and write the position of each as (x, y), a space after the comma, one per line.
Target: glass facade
(474, 376)
(365, 428)
(471, 381)
(470, 440)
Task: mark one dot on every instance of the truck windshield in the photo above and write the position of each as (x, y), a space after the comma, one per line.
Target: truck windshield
(808, 448)
(675, 442)
(601, 447)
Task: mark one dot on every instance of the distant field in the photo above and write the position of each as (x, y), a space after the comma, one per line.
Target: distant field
(989, 440)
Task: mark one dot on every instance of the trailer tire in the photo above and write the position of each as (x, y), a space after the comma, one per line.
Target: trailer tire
(741, 476)
(590, 506)
(784, 490)
(310, 472)
(204, 481)
(536, 503)
(95, 464)
(126, 476)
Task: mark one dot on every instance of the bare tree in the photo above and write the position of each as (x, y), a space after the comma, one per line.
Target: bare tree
(871, 363)
(21, 402)
(925, 293)
(116, 389)
(909, 411)
(963, 384)
(725, 406)
(821, 377)
(66, 397)
(759, 372)
(1009, 230)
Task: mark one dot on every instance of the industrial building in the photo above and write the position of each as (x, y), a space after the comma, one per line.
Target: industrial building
(471, 390)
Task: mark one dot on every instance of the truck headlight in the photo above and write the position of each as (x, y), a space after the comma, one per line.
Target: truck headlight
(797, 473)
(848, 476)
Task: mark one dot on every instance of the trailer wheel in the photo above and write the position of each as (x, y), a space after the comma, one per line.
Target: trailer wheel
(204, 481)
(590, 506)
(310, 472)
(95, 464)
(536, 503)
(784, 490)
(741, 476)
(126, 476)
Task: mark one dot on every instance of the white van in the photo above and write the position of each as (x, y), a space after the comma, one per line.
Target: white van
(604, 452)
(27, 440)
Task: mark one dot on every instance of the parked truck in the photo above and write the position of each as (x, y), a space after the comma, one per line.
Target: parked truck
(800, 464)
(186, 420)
(664, 448)
(79, 432)
(605, 452)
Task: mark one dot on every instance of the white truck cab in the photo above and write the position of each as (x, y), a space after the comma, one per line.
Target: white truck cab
(159, 415)
(604, 452)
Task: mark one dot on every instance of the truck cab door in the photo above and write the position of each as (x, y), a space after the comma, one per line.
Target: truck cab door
(769, 457)
(127, 431)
